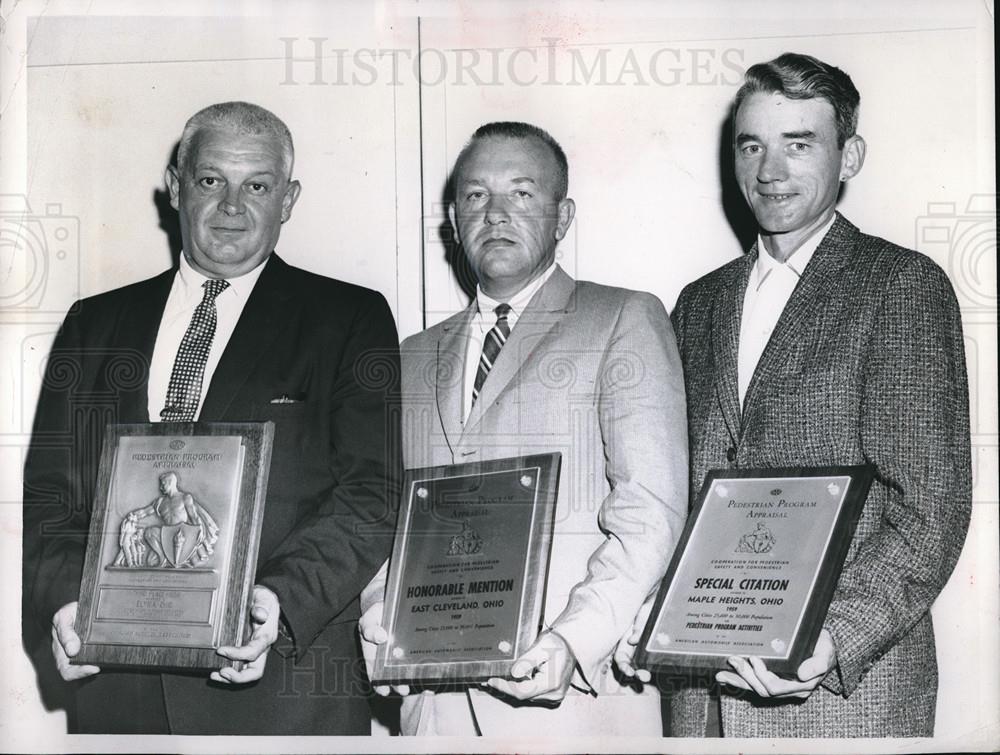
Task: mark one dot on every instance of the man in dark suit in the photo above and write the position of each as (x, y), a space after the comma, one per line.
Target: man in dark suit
(827, 346)
(232, 334)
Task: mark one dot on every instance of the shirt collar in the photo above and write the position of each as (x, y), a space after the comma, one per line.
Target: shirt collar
(192, 280)
(518, 301)
(796, 264)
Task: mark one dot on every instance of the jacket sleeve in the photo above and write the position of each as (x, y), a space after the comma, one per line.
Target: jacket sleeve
(644, 434)
(324, 563)
(58, 485)
(915, 431)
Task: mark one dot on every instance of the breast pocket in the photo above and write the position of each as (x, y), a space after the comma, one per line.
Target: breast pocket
(292, 429)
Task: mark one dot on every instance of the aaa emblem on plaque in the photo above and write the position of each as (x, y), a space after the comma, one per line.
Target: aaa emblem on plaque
(173, 543)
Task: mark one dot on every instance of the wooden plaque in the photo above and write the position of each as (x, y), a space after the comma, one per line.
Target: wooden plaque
(755, 568)
(467, 577)
(172, 550)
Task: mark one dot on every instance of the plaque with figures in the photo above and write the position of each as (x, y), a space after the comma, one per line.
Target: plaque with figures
(172, 549)
(467, 576)
(755, 568)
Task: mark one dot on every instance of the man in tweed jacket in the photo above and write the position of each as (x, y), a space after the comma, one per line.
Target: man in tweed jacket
(827, 346)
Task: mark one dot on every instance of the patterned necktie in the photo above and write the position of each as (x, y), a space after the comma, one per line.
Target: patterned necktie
(495, 340)
(184, 389)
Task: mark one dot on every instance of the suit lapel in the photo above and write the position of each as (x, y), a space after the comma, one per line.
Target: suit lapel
(817, 284)
(137, 329)
(727, 314)
(539, 317)
(449, 380)
(261, 322)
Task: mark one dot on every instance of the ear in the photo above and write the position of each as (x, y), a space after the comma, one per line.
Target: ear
(454, 224)
(852, 157)
(565, 211)
(173, 186)
(288, 201)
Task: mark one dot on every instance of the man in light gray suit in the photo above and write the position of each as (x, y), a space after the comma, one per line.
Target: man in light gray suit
(539, 362)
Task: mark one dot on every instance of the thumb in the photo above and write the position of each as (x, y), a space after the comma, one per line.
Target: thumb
(641, 619)
(823, 659)
(533, 658)
(259, 613)
(810, 668)
(633, 639)
(374, 633)
(371, 627)
(70, 642)
(65, 632)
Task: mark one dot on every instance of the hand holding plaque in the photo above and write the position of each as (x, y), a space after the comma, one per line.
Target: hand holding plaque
(265, 613)
(172, 548)
(751, 674)
(66, 645)
(542, 673)
(754, 572)
(468, 570)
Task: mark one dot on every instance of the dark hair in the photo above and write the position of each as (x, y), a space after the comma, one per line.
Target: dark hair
(242, 118)
(517, 130)
(803, 77)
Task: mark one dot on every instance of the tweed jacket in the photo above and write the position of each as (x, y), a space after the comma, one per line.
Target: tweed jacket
(592, 372)
(866, 365)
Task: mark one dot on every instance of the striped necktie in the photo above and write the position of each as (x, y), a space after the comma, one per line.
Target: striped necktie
(495, 340)
(184, 388)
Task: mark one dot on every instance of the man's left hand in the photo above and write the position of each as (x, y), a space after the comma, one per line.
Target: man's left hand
(542, 673)
(752, 675)
(264, 614)
(627, 645)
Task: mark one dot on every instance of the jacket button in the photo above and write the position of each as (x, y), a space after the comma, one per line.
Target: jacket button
(731, 453)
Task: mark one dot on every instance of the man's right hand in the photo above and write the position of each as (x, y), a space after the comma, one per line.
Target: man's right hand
(373, 634)
(66, 644)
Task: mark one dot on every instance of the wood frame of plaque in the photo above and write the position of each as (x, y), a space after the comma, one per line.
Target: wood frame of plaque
(466, 584)
(172, 550)
(735, 586)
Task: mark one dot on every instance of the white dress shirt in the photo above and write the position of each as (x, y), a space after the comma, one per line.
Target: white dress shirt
(768, 291)
(185, 295)
(482, 323)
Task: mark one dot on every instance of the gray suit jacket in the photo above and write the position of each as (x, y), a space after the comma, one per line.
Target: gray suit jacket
(866, 365)
(593, 372)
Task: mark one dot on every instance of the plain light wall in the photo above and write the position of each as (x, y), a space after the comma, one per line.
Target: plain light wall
(107, 95)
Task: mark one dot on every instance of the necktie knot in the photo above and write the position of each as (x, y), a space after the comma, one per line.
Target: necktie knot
(213, 287)
(501, 311)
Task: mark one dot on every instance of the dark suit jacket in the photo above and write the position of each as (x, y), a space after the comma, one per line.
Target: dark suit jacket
(334, 470)
(866, 365)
